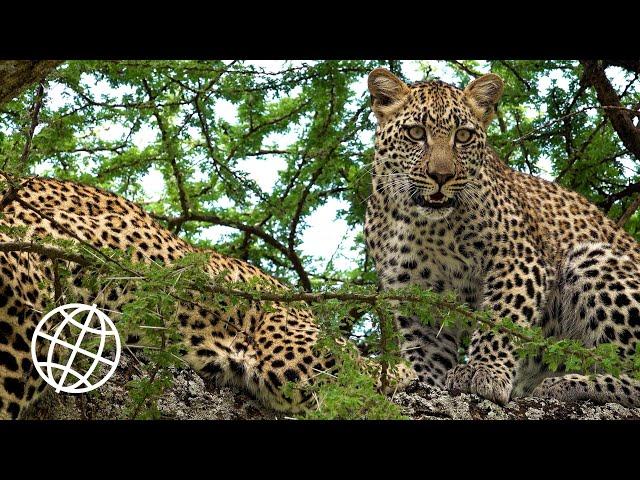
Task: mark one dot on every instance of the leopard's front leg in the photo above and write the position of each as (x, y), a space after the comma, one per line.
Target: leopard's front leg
(515, 289)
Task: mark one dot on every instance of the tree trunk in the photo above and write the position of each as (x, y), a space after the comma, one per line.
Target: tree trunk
(16, 75)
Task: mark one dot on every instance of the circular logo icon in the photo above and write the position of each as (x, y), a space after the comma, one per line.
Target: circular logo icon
(76, 332)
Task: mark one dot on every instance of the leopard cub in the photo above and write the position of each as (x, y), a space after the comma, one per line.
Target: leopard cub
(447, 214)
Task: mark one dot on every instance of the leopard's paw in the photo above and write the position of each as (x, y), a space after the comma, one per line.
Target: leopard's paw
(399, 377)
(458, 379)
(564, 388)
(483, 379)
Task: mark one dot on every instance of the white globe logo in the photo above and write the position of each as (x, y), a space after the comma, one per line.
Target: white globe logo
(56, 374)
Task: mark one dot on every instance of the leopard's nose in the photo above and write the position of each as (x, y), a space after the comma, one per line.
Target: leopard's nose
(441, 178)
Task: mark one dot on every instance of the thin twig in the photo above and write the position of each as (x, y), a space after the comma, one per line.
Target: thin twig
(35, 117)
(577, 112)
(631, 209)
(57, 288)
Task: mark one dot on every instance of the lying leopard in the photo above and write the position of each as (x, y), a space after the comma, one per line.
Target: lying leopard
(259, 349)
(448, 215)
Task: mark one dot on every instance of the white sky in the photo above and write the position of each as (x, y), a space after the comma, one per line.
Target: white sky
(325, 237)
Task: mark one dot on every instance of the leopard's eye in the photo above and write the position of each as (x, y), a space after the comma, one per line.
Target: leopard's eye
(463, 135)
(416, 132)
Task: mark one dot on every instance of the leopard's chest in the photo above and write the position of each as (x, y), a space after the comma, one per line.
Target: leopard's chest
(438, 257)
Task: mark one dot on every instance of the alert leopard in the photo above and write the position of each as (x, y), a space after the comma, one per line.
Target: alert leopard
(447, 214)
(259, 349)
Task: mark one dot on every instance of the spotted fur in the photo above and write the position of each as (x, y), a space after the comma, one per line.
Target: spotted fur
(260, 350)
(447, 214)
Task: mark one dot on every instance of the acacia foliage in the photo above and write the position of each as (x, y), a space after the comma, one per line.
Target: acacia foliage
(121, 120)
(115, 124)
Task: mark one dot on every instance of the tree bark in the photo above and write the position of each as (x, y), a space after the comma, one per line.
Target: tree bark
(16, 75)
(621, 119)
(631, 65)
(190, 398)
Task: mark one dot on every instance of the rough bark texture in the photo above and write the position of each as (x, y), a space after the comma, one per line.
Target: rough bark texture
(188, 399)
(191, 399)
(632, 65)
(621, 119)
(422, 402)
(16, 75)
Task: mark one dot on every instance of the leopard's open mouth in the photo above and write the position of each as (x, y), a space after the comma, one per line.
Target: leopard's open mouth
(437, 200)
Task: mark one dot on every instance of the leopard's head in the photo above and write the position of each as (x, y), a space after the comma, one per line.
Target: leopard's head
(430, 141)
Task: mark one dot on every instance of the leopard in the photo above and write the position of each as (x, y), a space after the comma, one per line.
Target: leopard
(262, 350)
(446, 214)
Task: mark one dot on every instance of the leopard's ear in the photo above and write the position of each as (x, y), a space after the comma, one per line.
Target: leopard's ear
(387, 92)
(483, 95)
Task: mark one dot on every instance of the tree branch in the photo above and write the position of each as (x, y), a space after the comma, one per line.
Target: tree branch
(625, 192)
(464, 68)
(16, 75)
(632, 65)
(516, 74)
(620, 118)
(50, 252)
(250, 229)
(35, 117)
(166, 142)
(631, 209)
